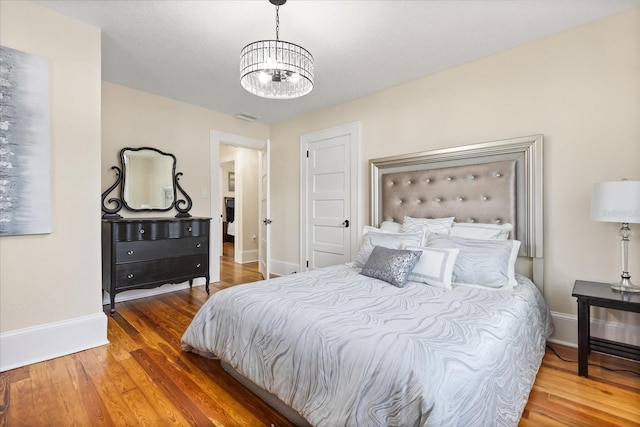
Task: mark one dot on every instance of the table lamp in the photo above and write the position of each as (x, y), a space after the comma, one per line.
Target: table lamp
(618, 201)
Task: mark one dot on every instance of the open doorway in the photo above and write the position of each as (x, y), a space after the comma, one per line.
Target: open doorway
(227, 191)
(239, 202)
(245, 155)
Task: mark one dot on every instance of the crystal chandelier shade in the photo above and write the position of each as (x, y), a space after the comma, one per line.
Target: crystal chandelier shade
(276, 69)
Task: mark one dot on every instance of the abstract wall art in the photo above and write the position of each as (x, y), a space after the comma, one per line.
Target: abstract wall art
(25, 187)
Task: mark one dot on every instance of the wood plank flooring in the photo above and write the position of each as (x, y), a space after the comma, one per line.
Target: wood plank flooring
(143, 378)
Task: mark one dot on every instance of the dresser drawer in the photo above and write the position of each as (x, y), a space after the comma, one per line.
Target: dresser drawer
(159, 249)
(157, 230)
(141, 230)
(189, 228)
(169, 270)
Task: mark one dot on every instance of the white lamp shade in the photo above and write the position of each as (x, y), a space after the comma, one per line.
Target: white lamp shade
(616, 201)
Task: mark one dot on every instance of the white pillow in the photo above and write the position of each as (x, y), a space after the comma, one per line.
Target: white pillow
(387, 240)
(391, 227)
(435, 266)
(472, 230)
(484, 263)
(385, 227)
(368, 228)
(427, 225)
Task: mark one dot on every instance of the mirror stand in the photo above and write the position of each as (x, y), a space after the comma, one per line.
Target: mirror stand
(148, 182)
(112, 213)
(182, 212)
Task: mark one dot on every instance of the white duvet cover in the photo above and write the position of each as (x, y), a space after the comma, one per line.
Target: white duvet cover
(343, 349)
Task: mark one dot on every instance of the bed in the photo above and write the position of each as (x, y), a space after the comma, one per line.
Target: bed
(423, 328)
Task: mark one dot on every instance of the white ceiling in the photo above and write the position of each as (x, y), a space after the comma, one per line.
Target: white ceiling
(189, 50)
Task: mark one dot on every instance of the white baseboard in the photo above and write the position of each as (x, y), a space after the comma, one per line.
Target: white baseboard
(142, 293)
(282, 268)
(566, 330)
(249, 256)
(43, 342)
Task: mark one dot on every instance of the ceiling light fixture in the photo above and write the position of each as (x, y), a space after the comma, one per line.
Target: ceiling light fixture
(276, 69)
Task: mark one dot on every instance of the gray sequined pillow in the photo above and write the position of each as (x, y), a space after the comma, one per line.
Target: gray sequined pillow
(391, 265)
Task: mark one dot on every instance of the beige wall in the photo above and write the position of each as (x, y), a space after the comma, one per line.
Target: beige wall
(580, 88)
(56, 277)
(132, 118)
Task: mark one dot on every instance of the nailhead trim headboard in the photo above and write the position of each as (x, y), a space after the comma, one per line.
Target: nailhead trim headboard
(484, 193)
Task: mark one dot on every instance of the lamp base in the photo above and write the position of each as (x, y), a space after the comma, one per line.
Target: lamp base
(625, 285)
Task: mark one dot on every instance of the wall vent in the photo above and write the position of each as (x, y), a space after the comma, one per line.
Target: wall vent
(246, 117)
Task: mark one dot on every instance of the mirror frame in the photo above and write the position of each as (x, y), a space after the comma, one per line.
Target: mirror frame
(124, 178)
(182, 206)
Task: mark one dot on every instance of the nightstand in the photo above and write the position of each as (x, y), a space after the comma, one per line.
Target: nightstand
(599, 294)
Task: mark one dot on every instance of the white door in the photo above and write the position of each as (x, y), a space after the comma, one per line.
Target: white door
(329, 191)
(264, 215)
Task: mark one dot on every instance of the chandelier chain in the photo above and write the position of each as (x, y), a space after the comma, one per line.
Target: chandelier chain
(277, 22)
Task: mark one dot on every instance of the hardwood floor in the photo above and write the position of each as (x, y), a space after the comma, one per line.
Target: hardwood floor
(143, 378)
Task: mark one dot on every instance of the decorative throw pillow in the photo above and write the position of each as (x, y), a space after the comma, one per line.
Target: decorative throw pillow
(391, 265)
(472, 230)
(435, 266)
(388, 240)
(427, 225)
(485, 263)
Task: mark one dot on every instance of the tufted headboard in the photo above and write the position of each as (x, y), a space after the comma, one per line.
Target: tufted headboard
(494, 182)
(482, 193)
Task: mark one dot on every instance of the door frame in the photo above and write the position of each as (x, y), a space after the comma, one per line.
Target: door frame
(354, 129)
(215, 139)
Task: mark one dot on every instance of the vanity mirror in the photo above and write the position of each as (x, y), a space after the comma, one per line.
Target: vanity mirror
(148, 182)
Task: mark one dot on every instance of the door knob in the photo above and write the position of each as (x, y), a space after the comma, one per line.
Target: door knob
(346, 223)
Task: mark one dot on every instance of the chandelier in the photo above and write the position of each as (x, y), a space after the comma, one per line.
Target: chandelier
(276, 69)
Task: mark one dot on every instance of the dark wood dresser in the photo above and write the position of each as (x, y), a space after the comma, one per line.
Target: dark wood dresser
(146, 253)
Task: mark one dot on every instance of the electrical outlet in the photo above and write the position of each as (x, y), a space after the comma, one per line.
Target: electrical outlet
(204, 193)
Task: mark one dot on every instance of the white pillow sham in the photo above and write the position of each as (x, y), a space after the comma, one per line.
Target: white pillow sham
(473, 230)
(367, 228)
(391, 227)
(483, 263)
(385, 227)
(435, 266)
(427, 225)
(388, 240)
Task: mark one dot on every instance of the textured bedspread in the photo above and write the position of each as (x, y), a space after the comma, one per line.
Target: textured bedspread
(344, 349)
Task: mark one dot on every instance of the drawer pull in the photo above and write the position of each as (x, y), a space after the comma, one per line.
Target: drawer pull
(198, 245)
(130, 276)
(142, 231)
(189, 229)
(129, 252)
(198, 265)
